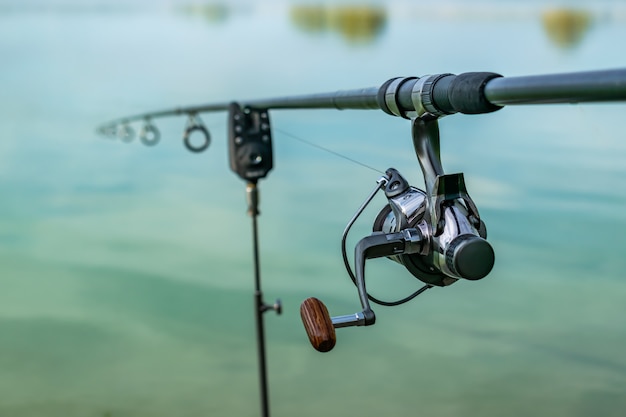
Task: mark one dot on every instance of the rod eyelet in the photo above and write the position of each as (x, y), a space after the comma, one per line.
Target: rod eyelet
(196, 148)
(125, 133)
(149, 134)
(194, 124)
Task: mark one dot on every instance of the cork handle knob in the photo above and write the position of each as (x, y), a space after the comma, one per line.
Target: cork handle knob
(318, 324)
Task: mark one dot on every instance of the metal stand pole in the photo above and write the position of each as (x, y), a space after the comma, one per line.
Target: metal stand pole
(252, 196)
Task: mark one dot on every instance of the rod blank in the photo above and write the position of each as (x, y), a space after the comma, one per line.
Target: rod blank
(439, 94)
(363, 98)
(609, 85)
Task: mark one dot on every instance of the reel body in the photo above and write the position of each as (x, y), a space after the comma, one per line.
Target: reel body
(458, 251)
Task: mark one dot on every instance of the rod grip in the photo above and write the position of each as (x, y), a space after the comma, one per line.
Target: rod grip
(466, 93)
(318, 324)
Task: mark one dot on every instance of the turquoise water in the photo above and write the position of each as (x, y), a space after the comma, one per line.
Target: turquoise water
(126, 272)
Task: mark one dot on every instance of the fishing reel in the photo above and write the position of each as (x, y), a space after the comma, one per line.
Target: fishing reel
(436, 234)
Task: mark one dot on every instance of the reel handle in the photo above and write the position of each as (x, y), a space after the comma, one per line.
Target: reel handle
(318, 324)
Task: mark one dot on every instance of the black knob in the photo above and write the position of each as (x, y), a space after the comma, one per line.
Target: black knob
(470, 257)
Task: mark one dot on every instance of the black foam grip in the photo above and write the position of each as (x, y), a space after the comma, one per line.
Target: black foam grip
(467, 93)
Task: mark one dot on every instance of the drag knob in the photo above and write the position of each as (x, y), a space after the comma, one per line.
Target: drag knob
(318, 324)
(470, 257)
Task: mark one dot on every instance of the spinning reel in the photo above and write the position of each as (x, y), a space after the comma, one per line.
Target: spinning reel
(437, 235)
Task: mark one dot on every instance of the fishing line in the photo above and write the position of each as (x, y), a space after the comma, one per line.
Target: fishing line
(320, 147)
(349, 269)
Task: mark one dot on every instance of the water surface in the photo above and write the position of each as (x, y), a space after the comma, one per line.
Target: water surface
(126, 273)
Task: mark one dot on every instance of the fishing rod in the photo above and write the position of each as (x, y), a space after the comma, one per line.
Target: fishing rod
(408, 97)
(437, 234)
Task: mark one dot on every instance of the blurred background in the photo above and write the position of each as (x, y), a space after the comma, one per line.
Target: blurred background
(126, 271)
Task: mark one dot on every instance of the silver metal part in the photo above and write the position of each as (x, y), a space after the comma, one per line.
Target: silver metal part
(391, 94)
(252, 198)
(407, 215)
(422, 96)
(414, 241)
(457, 224)
(356, 319)
(426, 99)
(416, 96)
(277, 307)
(393, 97)
(408, 207)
